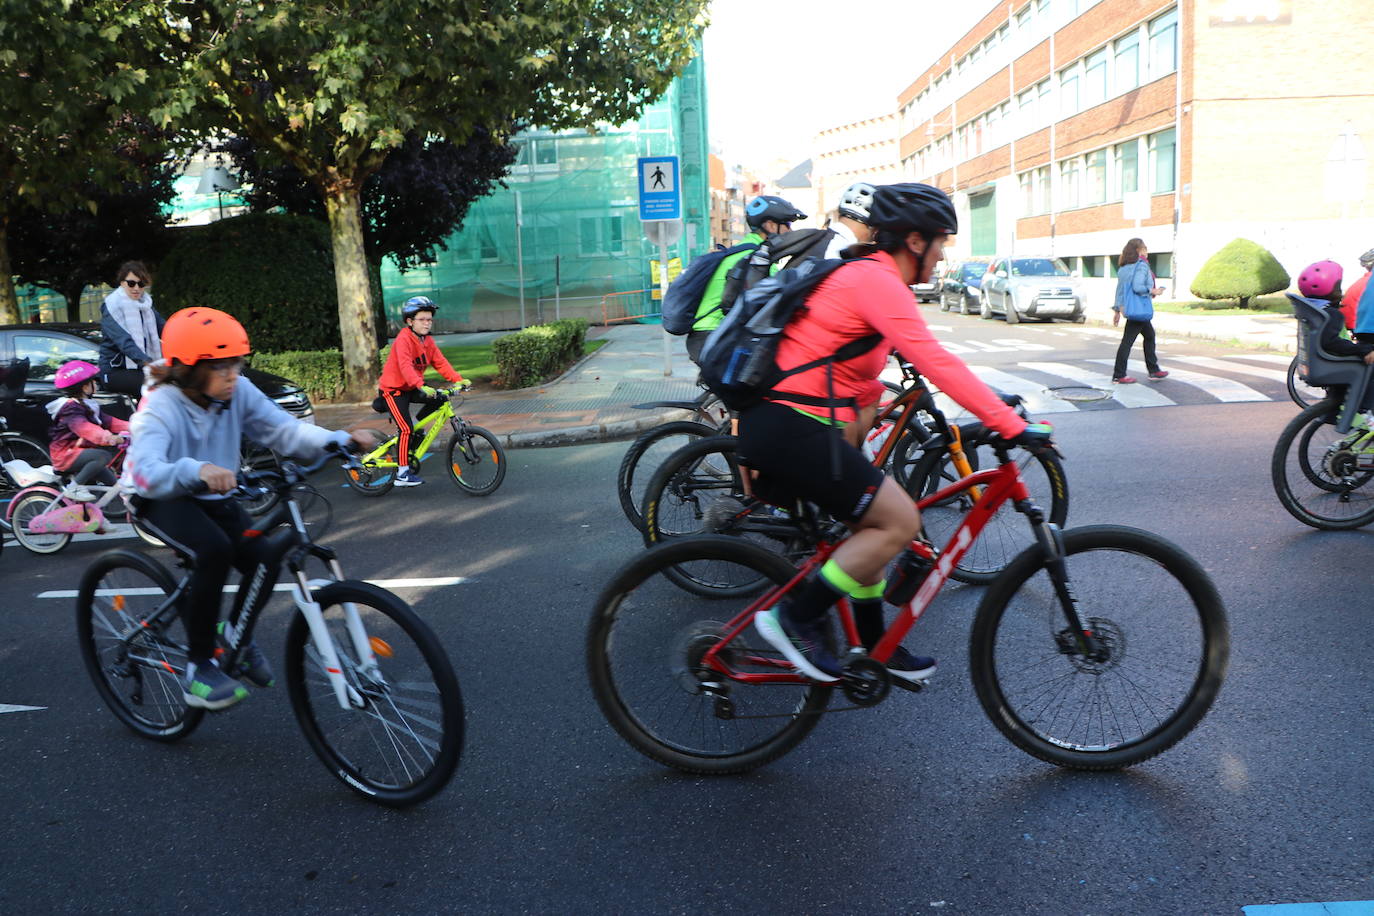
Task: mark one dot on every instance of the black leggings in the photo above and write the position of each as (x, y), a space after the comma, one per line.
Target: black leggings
(1141, 329)
(210, 532)
(122, 381)
(92, 464)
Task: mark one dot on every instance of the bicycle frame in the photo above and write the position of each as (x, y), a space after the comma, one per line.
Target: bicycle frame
(431, 424)
(1001, 483)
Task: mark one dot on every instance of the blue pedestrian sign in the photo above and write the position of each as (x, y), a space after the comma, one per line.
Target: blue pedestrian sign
(660, 192)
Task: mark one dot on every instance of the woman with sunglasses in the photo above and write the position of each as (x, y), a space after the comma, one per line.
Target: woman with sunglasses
(130, 331)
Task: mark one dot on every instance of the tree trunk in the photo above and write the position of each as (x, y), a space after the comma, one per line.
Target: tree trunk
(9, 302)
(343, 203)
(1245, 302)
(71, 291)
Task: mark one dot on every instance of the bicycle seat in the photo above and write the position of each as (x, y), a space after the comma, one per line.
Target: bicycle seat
(1317, 366)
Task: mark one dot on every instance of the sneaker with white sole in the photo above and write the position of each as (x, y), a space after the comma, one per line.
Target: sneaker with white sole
(80, 494)
(910, 668)
(802, 644)
(207, 687)
(408, 479)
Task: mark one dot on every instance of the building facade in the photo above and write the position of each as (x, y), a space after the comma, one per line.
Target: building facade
(1065, 127)
(864, 150)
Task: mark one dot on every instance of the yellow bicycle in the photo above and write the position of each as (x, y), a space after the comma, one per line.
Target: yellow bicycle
(476, 461)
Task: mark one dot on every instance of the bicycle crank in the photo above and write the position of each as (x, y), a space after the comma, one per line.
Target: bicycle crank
(866, 682)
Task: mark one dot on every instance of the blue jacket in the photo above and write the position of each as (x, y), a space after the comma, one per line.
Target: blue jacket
(1364, 311)
(1133, 285)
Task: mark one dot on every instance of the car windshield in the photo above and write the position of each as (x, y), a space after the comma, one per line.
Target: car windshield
(1039, 267)
(974, 271)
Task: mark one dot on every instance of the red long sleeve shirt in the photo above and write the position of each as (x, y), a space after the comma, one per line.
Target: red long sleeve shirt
(410, 355)
(857, 300)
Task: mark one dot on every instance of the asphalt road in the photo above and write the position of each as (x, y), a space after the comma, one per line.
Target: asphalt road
(917, 805)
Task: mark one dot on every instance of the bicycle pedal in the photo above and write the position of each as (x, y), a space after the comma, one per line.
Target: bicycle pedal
(910, 686)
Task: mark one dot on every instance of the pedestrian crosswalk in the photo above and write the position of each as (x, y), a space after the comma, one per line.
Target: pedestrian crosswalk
(1066, 386)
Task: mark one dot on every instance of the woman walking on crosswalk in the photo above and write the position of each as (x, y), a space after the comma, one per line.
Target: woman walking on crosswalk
(1135, 292)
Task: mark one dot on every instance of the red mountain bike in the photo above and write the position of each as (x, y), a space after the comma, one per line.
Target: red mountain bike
(1096, 648)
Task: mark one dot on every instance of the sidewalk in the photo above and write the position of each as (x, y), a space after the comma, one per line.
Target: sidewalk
(593, 401)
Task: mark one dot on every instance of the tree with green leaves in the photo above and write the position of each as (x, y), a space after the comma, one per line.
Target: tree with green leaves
(1241, 270)
(68, 75)
(334, 87)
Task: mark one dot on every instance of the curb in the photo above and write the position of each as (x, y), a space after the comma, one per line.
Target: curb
(598, 432)
(1236, 338)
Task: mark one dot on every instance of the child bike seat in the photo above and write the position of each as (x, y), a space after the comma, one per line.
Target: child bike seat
(1317, 366)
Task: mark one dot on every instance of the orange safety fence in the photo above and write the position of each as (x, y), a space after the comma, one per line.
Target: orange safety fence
(620, 306)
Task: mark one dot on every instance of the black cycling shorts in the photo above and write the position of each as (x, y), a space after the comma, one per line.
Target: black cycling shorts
(798, 457)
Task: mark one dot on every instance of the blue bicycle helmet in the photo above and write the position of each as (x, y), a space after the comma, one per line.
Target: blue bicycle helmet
(417, 304)
(761, 209)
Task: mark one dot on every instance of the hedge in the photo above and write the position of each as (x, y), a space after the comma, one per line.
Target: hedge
(530, 356)
(319, 372)
(272, 271)
(1241, 270)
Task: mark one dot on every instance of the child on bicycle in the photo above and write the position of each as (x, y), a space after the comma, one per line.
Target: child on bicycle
(403, 381)
(1321, 282)
(182, 462)
(82, 439)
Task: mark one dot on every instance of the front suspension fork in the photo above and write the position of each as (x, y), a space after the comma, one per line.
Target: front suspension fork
(1051, 541)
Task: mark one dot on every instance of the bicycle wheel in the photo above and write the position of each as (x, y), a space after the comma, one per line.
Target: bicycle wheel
(1320, 475)
(1006, 533)
(28, 505)
(1303, 394)
(644, 456)
(698, 490)
(644, 645)
(476, 461)
(1164, 645)
(137, 667)
(369, 479)
(16, 446)
(399, 741)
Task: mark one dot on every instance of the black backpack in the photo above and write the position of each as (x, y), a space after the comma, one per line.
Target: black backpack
(683, 298)
(786, 248)
(739, 360)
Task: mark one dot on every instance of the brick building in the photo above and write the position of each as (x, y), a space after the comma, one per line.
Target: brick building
(1065, 127)
(864, 150)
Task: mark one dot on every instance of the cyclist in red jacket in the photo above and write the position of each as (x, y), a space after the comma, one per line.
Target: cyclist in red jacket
(403, 380)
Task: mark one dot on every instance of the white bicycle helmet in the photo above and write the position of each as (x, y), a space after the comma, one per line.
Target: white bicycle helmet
(856, 201)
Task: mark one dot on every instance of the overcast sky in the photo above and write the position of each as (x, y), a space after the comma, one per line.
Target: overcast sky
(779, 71)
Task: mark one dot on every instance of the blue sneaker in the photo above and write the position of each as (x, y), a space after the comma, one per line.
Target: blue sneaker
(252, 665)
(802, 644)
(408, 478)
(910, 668)
(207, 687)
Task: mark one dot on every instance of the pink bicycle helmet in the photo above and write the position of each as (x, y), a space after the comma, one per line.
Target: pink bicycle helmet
(74, 373)
(1319, 279)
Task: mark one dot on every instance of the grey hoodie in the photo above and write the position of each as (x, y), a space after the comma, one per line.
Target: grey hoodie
(171, 437)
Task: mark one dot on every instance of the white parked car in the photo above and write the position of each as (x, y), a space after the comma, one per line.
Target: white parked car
(1040, 288)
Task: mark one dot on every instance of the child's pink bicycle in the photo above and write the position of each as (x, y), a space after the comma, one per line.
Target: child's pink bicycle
(46, 516)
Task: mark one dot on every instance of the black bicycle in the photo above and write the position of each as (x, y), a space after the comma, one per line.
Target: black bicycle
(369, 681)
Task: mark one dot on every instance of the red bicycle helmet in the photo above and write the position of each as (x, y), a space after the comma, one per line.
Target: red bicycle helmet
(199, 333)
(1318, 280)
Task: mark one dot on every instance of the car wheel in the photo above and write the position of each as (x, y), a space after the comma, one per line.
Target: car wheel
(964, 305)
(1080, 318)
(1013, 317)
(944, 303)
(984, 310)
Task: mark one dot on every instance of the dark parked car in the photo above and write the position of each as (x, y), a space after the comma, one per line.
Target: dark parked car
(48, 346)
(959, 285)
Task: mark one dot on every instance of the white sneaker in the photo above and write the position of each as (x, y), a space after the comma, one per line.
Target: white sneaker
(81, 495)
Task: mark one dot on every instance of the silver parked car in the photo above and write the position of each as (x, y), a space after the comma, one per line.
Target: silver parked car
(1039, 288)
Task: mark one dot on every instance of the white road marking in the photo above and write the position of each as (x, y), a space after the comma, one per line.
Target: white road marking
(1267, 358)
(6, 707)
(1227, 364)
(1223, 389)
(435, 582)
(1126, 395)
(1036, 398)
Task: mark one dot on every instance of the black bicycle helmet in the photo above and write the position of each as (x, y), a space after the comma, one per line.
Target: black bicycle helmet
(910, 205)
(417, 304)
(762, 209)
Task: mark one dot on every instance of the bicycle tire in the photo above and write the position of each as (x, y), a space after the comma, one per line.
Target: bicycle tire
(113, 597)
(1302, 394)
(632, 465)
(674, 507)
(422, 725)
(144, 534)
(21, 447)
(477, 467)
(370, 480)
(26, 505)
(1177, 611)
(1320, 486)
(1005, 534)
(635, 596)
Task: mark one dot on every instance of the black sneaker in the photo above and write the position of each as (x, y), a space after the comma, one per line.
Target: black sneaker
(207, 687)
(908, 667)
(254, 667)
(802, 644)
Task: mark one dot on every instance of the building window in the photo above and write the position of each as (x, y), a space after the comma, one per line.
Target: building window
(1092, 266)
(1162, 161)
(1095, 78)
(1162, 263)
(1024, 17)
(486, 245)
(1095, 177)
(1068, 91)
(1125, 172)
(1070, 174)
(1127, 73)
(545, 153)
(1164, 44)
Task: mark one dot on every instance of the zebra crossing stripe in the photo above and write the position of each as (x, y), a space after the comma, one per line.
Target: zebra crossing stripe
(1037, 400)
(1125, 395)
(1267, 358)
(1211, 362)
(1223, 389)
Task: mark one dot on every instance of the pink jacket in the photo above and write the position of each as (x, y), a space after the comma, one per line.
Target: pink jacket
(79, 424)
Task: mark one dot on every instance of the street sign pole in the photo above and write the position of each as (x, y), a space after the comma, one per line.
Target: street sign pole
(520, 256)
(660, 209)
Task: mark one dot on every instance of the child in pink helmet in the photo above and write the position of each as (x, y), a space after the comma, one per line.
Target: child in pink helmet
(82, 438)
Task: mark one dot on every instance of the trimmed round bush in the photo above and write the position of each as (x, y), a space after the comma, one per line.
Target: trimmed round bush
(1242, 270)
(272, 271)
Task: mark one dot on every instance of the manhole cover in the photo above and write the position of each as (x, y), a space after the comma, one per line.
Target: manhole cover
(1079, 393)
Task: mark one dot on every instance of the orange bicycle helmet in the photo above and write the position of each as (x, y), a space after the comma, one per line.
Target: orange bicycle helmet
(198, 333)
